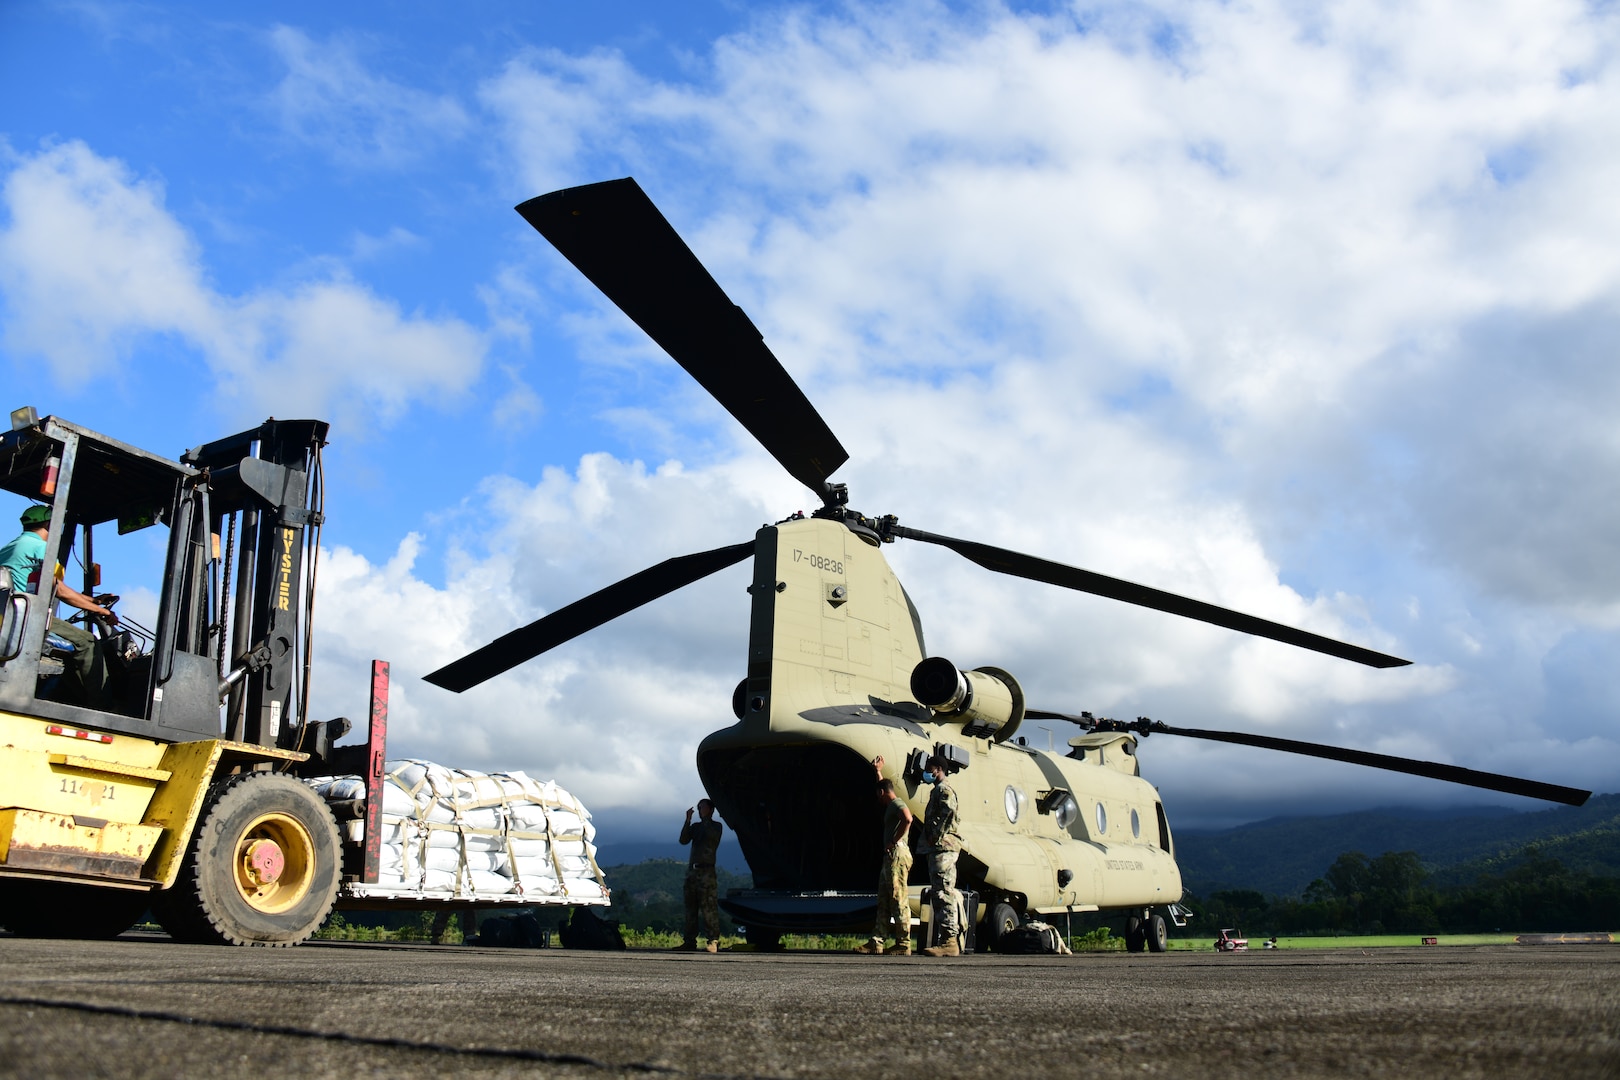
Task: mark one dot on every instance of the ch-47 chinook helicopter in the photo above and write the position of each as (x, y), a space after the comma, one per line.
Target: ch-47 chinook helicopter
(838, 673)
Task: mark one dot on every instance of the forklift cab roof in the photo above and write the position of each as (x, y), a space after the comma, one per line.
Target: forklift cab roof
(112, 480)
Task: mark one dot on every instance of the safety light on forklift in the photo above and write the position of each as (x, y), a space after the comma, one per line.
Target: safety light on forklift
(47, 478)
(77, 733)
(25, 417)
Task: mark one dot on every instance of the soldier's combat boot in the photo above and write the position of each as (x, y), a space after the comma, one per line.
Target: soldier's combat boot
(713, 946)
(950, 948)
(900, 948)
(871, 947)
(685, 946)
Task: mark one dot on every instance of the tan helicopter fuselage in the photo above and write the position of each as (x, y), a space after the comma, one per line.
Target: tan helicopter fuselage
(833, 642)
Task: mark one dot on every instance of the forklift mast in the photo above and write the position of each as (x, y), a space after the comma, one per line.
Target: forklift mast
(268, 479)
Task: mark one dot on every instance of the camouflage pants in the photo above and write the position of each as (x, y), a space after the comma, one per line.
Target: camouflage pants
(942, 876)
(702, 897)
(893, 910)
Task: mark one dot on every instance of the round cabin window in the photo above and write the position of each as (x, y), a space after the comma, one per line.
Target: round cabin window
(1136, 824)
(1014, 802)
(1102, 819)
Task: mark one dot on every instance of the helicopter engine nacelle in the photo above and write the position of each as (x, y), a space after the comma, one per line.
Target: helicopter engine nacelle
(987, 701)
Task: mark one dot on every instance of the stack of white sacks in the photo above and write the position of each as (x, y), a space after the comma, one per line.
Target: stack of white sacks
(464, 834)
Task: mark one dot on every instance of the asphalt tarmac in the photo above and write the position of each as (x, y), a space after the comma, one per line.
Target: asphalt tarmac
(148, 1008)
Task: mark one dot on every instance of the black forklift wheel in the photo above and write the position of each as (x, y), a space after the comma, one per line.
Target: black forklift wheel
(262, 869)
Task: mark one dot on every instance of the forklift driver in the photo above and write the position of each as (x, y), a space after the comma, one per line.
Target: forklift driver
(23, 559)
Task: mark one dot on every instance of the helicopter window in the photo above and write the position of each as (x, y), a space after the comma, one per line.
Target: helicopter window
(1015, 801)
(1102, 819)
(1136, 824)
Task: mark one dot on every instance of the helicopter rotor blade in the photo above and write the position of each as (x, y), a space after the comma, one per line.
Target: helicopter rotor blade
(567, 623)
(617, 238)
(1455, 774)
(1051, 573)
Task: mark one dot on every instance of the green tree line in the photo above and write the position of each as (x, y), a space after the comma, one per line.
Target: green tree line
(1393, 894)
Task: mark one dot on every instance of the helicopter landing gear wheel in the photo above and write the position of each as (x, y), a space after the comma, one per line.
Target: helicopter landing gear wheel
(1136, 937)
(47, 909)
(262, 868)
(1000, 920)
(1156, 933)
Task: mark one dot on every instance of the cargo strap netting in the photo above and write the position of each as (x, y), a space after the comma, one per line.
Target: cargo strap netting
(457, 833)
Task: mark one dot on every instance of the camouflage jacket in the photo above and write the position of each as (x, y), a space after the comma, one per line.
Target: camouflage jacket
(940, 829)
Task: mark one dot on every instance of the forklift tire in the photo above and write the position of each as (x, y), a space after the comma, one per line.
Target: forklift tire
(262, 868)
(45, 909)
(1001, 919)
(1156, 933)
(1136, 936)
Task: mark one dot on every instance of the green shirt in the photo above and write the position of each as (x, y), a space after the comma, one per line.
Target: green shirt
(22, 559)
(893, 816)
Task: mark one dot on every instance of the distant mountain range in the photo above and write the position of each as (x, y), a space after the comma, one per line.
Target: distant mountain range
(1281, 856)
(633, 853)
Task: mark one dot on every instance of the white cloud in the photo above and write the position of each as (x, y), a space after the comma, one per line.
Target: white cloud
(1295, 312)
(615, 716)
(330, 98)
(92, 264)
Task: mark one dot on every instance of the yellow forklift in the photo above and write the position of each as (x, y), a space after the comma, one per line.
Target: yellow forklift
(169, 780)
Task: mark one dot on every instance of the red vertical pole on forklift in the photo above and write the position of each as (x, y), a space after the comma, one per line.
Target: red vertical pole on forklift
(376, 754)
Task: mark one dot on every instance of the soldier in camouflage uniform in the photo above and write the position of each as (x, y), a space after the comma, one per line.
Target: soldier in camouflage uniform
(893, 908)
(702, 891)
(944, 841)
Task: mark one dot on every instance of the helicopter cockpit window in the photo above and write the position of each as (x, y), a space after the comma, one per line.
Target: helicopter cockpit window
(1102, 819)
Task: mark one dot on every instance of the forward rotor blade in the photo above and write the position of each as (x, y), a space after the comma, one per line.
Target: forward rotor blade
(566, 623)
(618, 239)
(1028, 566)
(1513, 785)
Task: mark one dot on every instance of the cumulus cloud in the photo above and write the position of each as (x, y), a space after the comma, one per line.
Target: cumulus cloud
(92, 263)
(615, 716)
(1290, 311)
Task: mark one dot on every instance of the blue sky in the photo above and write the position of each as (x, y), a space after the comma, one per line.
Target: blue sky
(1307, 310)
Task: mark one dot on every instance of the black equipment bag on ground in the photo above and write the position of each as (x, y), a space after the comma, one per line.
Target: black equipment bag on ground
(586, 931)
(1031, 938)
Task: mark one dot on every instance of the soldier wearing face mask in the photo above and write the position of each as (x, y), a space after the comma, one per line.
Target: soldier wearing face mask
(943, 840)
